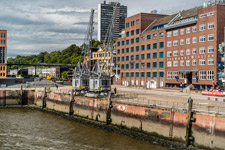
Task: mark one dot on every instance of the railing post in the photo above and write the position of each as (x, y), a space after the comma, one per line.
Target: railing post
(44, 98)
(189, 137)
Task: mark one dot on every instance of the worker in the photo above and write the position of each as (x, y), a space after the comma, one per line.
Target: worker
(56, 86)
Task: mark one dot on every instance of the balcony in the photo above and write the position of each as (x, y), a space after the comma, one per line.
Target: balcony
(184, 22)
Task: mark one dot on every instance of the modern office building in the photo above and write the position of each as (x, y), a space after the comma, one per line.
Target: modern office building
(105, 13)
(3, 53)
(174, 49)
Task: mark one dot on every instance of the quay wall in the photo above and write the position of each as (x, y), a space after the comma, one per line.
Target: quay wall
(208, 130)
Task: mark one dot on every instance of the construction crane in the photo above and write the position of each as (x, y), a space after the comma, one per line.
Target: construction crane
(82, 71)
(100, 80)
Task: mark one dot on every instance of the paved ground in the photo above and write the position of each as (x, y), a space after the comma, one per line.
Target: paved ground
(170, 97)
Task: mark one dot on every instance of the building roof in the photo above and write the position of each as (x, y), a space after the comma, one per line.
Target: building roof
(164, 20)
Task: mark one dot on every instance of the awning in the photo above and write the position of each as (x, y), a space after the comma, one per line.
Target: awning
(188, 70)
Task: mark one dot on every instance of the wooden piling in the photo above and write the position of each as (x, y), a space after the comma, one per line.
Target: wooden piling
(72, 100)
(109, 108)
(44, 98)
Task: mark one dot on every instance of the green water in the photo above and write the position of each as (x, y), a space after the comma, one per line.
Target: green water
(33, 130)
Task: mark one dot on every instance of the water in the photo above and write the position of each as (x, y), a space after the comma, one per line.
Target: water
(33, 130)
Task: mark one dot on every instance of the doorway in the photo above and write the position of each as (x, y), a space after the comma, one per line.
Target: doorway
(189, 78)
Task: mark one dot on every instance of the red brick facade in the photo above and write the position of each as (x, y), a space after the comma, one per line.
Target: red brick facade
(3, 44)
(183, 48)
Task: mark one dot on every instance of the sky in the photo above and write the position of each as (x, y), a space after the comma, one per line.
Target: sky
(35, 26)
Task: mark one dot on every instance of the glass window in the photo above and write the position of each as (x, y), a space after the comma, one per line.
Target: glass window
(118, 51)
(161, 34)
(142, 56)
(202, 62)
(128, 34)
(175, 33)
(137, 31)
(132, 57)
(188, 52)
(202, 27)
(148, 74)
(181, 52)
(182, 42)
(122, 42)
(188, 63)
(127, 50)
(122, 66)
(194, 62)
(142, 47)
(169, 75)
(122, 50)
(137, 48)
(194, 51)
(202, 50)
(132, 32)
(202, 38)
(194, 29)
(127, 42)
(169, 44)
(181, 31)
(210, 75)
(155, 46)
(127, 58)
(175, 53)
(161, 74)
(161, 44)
(118, 43)
(154, 64)
(210, 61)
(175, 63)
(154, 36)
(127, 66)
(169, 64)
(137, 74)
(132, 66)
(154, 74)
(154, 55)
(169, 54)
(148, 46)
(202, 75)
(148, 37)
(123, 58)
(132, 49)
(148, 56)
(188, 41)
(181, 63)
(137, 57)
(132, 74)
(175, 43)
(211, 25)
(169, 34)
(161, 54)
(210, 37)
(188, 30)
(194, 40)
(210, 49)
(137, 40)
(148, 65)
(161, 64)
(142, 74)
(118, 59)
(137, 66)
(132, 41)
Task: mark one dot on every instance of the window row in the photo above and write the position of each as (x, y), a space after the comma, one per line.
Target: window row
(148, 74)
(102, 55)
(2, 41)
(202, 27)
(132, 23)
(2, 35)
(203, 75)
(202, 50)
(132, 32)
(188, 40)
(188, 62)
(143, 56)
(206, 14)
(142, 65)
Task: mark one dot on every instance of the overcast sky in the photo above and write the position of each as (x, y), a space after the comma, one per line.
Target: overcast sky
(47, 25)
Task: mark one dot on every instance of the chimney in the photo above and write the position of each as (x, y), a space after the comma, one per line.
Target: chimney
(104, 2)
(153, 12)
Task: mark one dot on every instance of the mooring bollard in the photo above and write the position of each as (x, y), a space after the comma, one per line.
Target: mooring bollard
(109, 108)
(72, 100)
(189, 137)
(21, 95)
(44, 98)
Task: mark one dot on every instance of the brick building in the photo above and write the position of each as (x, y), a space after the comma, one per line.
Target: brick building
(3, 53)
(172, 49)
(139, 53)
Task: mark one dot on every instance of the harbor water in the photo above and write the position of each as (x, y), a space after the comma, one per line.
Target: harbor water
(23, 129)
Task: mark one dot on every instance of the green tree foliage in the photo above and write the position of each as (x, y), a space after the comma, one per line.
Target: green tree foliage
(70, 55)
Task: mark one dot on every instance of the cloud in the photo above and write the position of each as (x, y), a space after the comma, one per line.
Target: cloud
(47, 25)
